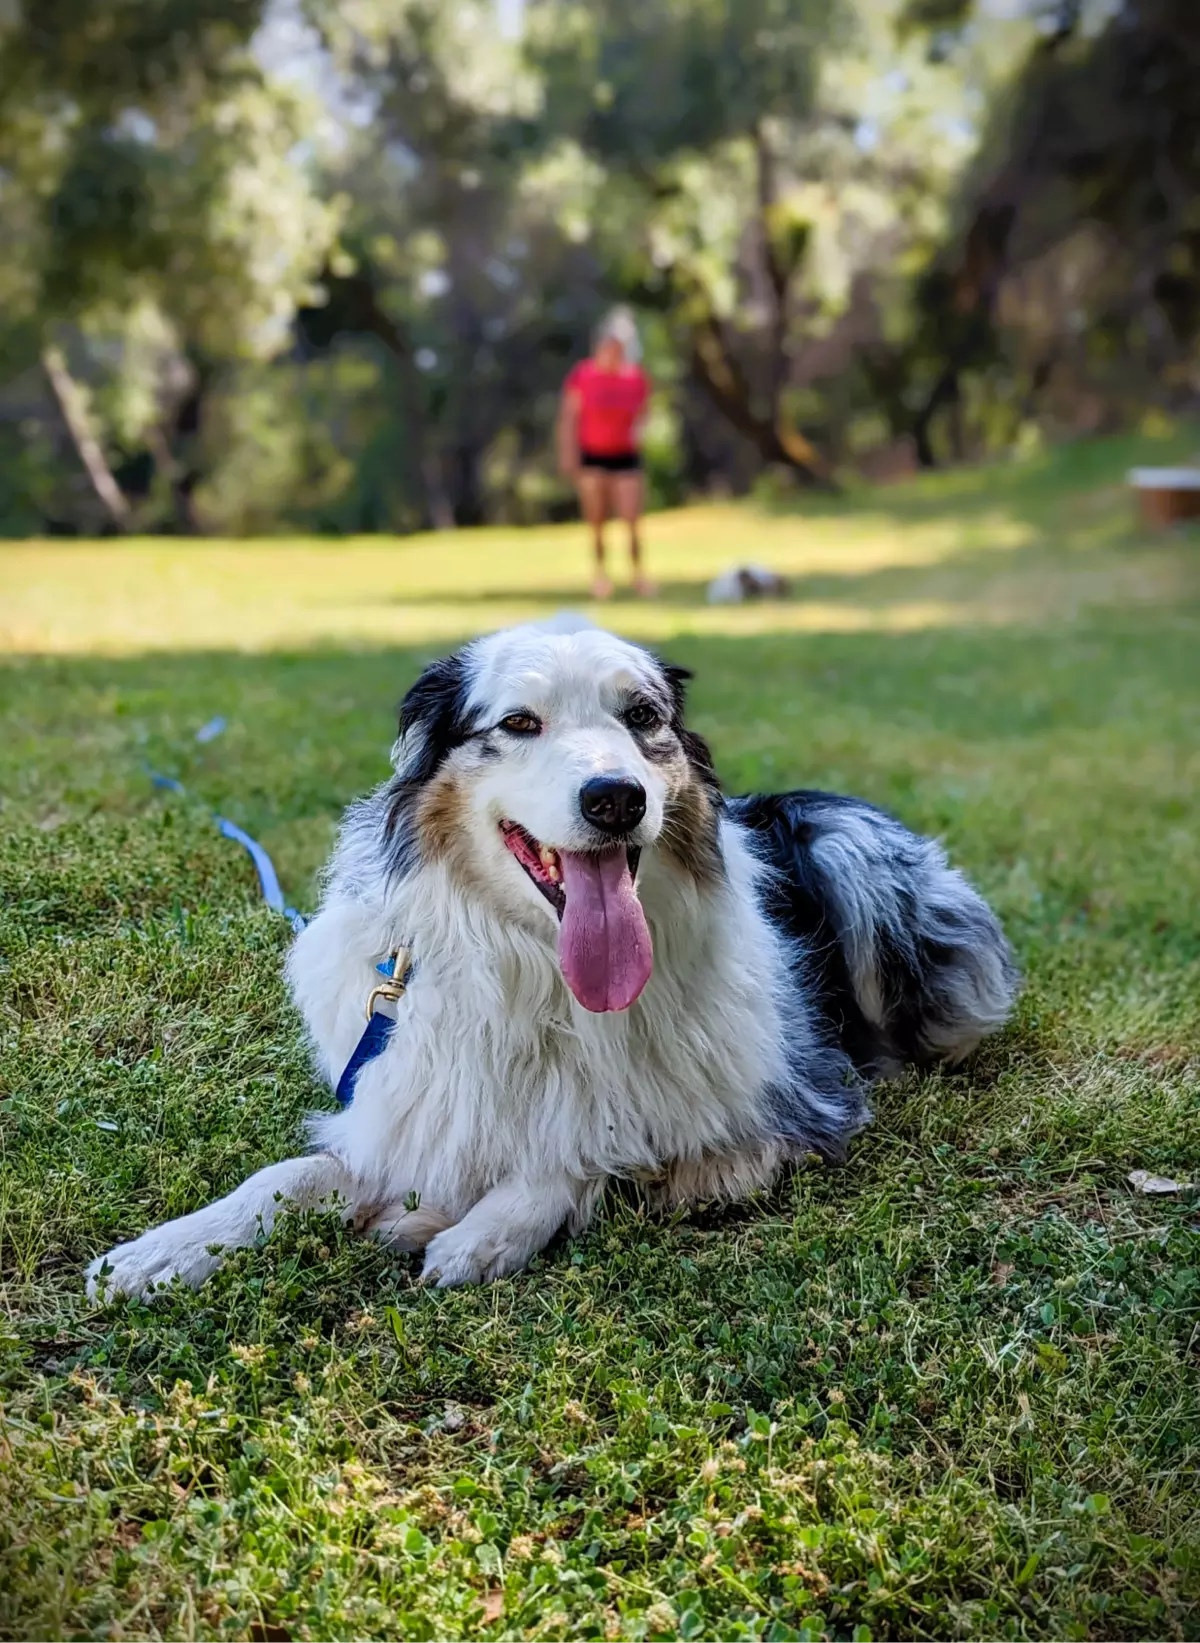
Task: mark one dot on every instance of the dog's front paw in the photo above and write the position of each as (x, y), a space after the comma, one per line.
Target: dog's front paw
(138, 1267)
(467, 1255)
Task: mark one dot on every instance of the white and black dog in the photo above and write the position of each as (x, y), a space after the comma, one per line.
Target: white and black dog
(617, 971)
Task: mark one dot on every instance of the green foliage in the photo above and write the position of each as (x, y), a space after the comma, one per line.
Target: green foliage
(639, 84)
(106, 59)
(152, 180)
(859, 228)
(102, 224)
(948, 1391)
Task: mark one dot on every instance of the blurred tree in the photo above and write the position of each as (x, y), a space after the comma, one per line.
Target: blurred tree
(1075, 256)
(324, 263)
(162, 224)
(461, 268)
(687, 105)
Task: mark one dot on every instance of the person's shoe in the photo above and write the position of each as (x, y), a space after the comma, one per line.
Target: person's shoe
(602, 588)
(644, 587)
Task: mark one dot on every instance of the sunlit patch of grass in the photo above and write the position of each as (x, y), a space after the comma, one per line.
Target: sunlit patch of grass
(949, 1391)
(1016, 544)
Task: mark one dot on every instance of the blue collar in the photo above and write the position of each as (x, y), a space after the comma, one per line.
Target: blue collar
(379, 1029)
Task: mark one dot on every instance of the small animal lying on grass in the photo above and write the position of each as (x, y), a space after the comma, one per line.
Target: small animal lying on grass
(617, 971)
(744, 582)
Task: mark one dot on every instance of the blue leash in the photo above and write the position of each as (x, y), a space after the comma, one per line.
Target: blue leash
(268, 878)
(379, 1027)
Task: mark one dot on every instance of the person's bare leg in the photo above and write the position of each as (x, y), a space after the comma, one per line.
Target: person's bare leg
(628, 491)
(593, 503)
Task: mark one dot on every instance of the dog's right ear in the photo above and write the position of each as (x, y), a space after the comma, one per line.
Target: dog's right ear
(433, 717)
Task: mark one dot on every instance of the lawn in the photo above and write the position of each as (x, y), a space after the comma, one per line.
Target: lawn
(948, 1391)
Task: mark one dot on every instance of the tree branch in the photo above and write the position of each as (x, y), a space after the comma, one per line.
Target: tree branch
(727, 386)
(74, 413)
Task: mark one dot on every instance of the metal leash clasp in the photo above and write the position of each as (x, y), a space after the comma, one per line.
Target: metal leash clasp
(396, 982)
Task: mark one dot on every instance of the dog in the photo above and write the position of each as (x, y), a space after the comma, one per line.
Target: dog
(746, 582)
(616, 971)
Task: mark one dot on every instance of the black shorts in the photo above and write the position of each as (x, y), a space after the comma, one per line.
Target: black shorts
(624, 462)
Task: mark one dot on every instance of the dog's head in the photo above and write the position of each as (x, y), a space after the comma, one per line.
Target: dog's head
(540, 764)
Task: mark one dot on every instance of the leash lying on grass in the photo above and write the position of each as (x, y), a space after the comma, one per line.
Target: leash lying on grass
(396, 969)
(268, 878)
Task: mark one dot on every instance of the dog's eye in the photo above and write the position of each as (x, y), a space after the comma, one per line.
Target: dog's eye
(642, 716)
(521, 724)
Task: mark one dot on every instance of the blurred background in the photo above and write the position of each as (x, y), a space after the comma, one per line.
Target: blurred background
(321, 265)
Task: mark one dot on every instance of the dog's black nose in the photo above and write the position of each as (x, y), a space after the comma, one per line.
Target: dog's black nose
(614, 804)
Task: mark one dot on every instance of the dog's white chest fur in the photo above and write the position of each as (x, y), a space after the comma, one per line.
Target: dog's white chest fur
(494, 1068)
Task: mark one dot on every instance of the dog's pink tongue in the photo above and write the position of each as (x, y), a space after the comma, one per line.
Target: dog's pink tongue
(604, 941)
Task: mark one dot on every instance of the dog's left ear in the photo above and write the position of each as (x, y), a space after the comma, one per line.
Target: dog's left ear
(697, 750)
(433, 716)
(677, 681)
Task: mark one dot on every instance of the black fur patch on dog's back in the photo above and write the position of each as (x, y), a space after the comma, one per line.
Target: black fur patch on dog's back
(854, 887)
(797, 898)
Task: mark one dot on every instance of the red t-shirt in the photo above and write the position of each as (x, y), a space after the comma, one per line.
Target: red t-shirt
(610, 402)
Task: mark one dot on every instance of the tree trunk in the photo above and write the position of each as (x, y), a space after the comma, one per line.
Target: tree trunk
(718, 369)
(943, 392)
(984, 250)
(441, 509)
(180, 481)
(774, 440)
(74, 414)
(777, 277)
(182, 451)
(354, 306)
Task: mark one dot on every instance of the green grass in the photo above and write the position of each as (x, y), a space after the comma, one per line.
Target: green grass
(948, 1391)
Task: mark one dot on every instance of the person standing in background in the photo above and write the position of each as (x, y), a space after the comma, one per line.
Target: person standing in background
(599, 440)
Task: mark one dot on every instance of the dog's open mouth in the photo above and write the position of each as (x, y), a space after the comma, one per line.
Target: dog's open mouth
(603, 940)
